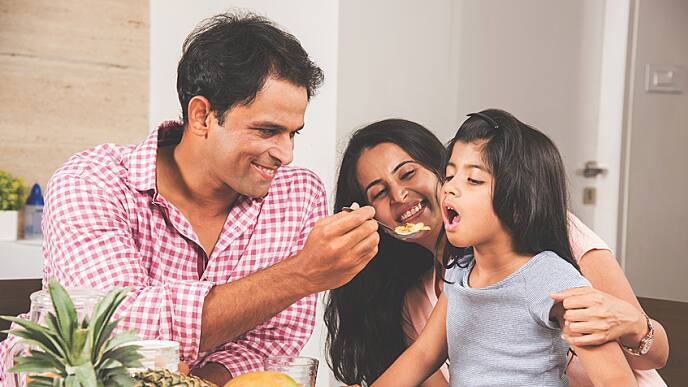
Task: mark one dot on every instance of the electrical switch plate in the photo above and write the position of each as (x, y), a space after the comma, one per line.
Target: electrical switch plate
(589, 195)
(664, 79)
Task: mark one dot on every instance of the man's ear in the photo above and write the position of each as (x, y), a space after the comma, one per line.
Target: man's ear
(200, 116)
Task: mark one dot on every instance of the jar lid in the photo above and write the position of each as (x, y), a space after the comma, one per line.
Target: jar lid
(80, 297)
(156, 345)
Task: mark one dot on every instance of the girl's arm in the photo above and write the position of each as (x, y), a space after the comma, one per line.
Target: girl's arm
(424, 356)
(604, 364)
(610, 312)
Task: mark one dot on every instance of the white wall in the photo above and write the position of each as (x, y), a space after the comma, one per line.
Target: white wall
(396, 61)
(315, 24)
(541, 61)
(656, 211)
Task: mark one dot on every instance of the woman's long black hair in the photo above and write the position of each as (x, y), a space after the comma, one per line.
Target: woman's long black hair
(529, 192)
(363, 317)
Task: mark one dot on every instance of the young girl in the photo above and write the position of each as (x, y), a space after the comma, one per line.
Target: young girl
(504, 199)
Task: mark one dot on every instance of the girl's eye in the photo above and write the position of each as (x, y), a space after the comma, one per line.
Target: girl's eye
(448, 177)
(474, 182)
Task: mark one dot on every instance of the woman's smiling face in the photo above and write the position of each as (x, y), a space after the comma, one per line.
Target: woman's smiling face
(401, 190)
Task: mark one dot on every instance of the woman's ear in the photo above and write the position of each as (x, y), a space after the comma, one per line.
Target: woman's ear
(200, 116)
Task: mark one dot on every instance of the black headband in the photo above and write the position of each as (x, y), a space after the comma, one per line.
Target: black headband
(486, 118)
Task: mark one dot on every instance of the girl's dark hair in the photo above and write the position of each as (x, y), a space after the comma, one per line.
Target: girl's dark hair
(363, 317)
(228, 58)
(529, 184)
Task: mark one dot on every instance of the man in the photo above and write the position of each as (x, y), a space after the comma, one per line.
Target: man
(225, 245)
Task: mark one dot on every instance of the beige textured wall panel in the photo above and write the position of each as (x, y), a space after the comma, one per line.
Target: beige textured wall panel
(72, 75)
(110, 33)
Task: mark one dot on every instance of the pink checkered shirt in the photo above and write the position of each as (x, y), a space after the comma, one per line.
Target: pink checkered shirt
(105, 225)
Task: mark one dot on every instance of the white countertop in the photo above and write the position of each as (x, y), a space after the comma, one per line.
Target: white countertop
(21, 259)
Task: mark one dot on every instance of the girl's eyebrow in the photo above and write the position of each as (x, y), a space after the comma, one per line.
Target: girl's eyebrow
(378, 181)
(480, 167)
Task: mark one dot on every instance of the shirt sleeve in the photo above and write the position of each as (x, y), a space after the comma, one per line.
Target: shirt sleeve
(89, 243)
(287, 332)
(583, 239)
(551, 274)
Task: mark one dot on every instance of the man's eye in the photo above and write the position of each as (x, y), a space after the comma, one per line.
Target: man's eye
(474, 182)
(267, 132)
(293, 134)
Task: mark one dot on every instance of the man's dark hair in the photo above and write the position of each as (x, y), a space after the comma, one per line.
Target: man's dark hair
(228, 58)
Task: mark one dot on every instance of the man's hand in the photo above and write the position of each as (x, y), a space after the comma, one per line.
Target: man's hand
(338, 247)
(213, 372)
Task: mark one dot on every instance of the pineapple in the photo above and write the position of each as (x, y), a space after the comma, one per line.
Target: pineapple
(66, 352)
(166, 378)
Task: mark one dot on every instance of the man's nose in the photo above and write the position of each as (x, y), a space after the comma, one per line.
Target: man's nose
(283, 150)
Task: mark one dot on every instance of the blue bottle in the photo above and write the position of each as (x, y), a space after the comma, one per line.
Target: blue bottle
(33, 212)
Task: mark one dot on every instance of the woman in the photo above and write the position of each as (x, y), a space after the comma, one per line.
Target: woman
(395, 166)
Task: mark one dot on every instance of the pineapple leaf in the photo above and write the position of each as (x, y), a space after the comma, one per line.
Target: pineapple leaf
(43, 337)
(53, 325)
(106, 333)
(127, 355)
(118, 376)
(85, 374)
(41, 381)
(121, 338)
(64, 310)
(32, 364)
(72, 381)
(58, 366)
(80, 347)
(102, 315)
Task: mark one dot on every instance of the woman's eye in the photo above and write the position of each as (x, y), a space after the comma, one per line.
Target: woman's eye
(408, 174)
(448, 177)
(378, 195)
(474, 182)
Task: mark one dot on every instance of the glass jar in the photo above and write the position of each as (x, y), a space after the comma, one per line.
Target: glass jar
(158, 354)
(84, 299)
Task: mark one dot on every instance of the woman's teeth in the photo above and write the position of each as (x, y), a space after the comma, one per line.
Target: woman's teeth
(411, 212)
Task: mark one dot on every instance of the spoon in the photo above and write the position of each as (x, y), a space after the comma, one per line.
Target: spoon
(390, 230)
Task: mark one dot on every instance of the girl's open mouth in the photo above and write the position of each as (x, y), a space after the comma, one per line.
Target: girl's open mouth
(452, 218)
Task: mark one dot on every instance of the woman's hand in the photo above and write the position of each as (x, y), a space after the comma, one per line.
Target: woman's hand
(593, 317)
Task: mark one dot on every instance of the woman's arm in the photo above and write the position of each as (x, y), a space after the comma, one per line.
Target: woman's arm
(610, 312)
(424, 356)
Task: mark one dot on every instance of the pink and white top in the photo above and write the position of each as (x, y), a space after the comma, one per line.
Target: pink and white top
(421, 299)
(106, 225)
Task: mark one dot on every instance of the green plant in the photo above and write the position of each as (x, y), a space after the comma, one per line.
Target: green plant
(66, 352)
(12, 192)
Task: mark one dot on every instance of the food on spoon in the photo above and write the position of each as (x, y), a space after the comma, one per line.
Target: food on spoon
(410, 228)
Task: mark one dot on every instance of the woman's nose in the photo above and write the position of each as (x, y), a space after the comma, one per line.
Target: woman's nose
(399, 193)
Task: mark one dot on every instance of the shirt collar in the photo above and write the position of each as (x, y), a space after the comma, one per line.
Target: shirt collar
(141, 162)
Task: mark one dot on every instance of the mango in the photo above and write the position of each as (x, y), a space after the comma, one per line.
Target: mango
(262, 379)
